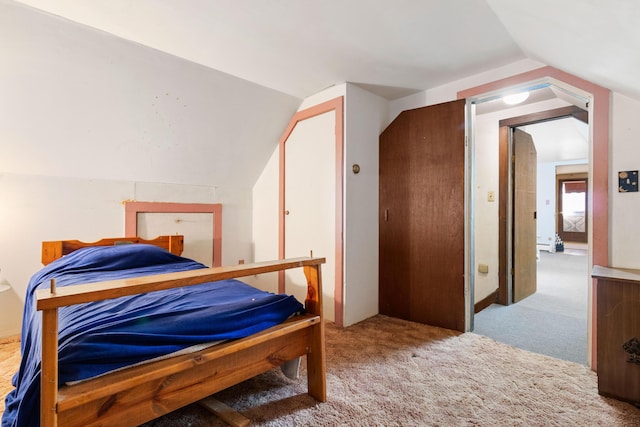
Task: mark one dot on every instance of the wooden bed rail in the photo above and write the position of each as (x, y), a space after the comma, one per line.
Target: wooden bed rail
(49, 301)
(78, 294)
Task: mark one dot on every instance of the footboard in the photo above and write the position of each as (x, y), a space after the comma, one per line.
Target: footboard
(138, 394)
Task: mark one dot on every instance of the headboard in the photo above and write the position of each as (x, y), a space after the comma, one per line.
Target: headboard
(51, 251)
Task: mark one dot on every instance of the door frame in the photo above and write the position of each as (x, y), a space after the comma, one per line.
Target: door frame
(599, 164)
(561, 179)
(336, 105)
(505, 204)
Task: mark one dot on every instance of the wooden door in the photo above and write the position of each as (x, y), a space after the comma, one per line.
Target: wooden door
(524, 216)
(421, 246)
(573, 207)
(310, 181)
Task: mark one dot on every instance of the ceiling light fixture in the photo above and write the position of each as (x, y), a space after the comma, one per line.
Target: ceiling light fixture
(515, 98)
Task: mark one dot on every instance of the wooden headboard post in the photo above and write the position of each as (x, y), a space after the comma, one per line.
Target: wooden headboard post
(51, 251)
(176, 244)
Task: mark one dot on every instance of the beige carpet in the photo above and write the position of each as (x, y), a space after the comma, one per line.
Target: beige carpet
(389, 372)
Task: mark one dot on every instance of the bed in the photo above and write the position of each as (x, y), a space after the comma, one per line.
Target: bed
(110, 327)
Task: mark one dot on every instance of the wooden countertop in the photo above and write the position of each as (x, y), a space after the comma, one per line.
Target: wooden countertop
(619, 274)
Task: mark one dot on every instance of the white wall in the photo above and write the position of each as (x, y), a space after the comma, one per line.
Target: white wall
(546, 204)
(365, 116)
(624, 207)
(35, 208)
(264, 221)
(486, 246)
(88, 120)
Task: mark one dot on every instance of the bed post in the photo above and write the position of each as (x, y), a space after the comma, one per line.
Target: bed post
(51, 251)
(176, 244)
(49, 375)
(316, 367)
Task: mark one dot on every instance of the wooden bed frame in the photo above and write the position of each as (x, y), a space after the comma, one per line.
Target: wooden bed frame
(138, 394)
(51, 251)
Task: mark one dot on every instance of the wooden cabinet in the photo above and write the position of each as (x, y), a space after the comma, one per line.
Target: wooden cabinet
(421, 246)
(618, 322)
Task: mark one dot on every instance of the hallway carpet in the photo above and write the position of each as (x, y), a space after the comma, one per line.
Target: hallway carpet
(553, 321)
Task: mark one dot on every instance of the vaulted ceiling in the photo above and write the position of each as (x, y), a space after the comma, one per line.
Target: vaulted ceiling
(392, 48)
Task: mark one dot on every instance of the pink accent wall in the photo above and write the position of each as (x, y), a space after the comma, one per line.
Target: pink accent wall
(336, 105)
(132, 209)
(600, 176)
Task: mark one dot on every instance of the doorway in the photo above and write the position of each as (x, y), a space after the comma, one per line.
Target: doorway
(336, 106)
(573, 207)
(599, 113)
(551, 319)
(310, 203)
(507, 282)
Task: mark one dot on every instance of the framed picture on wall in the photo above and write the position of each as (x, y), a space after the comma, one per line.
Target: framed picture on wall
(627, 181)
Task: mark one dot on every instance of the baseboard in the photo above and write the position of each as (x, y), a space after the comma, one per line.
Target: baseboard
(490, 299)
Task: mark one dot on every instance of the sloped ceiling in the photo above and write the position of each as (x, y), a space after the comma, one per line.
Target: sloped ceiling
(596, 40)
(394, 48)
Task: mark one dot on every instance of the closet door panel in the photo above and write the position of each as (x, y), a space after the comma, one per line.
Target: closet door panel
(422, 163)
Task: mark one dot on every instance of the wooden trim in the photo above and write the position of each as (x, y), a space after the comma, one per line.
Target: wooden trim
(600, 120)
(132, 209)
(337, 105)
(225, 412)
(486, 302)
(79, 294)
(503, 173)
(130, 397)
(53, 250)
(571, 236)
(600, 145)
(625, 275)
(547, 115)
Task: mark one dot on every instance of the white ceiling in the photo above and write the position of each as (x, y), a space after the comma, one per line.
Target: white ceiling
(393, 48)
(563, 140)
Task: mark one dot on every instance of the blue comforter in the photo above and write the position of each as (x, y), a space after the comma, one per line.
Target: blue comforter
(98, 337)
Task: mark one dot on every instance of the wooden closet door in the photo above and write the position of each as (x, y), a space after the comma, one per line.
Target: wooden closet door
(421, 246)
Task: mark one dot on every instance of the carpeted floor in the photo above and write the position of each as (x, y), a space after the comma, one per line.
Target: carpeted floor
(390, 372)
(553, 321)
